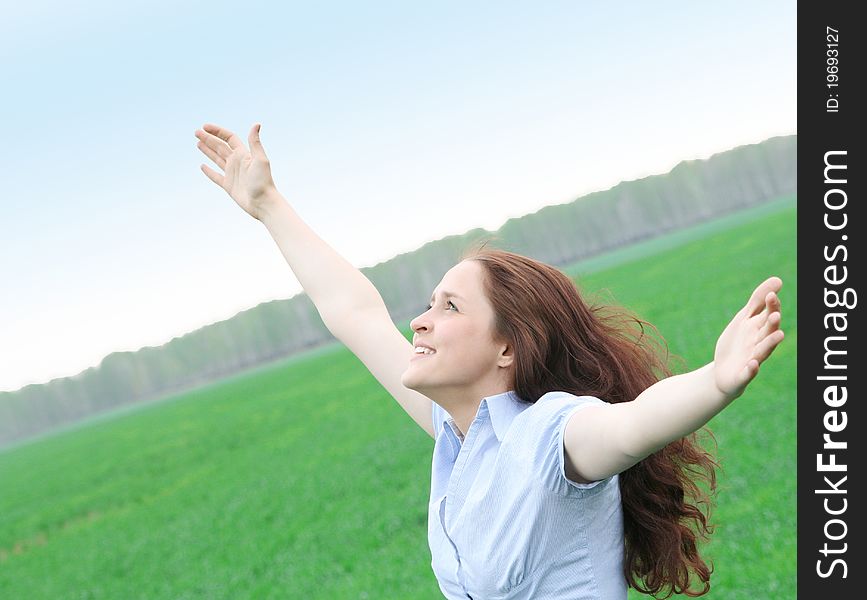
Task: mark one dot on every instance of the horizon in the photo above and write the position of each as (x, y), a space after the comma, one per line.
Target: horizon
(182, 334)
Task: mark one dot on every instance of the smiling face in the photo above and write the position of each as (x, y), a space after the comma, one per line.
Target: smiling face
(467, 363)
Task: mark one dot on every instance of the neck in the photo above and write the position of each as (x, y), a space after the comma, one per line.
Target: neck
(464, 415)
(463, 405)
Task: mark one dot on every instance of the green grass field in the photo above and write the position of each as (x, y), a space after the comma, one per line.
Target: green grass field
(304, 479)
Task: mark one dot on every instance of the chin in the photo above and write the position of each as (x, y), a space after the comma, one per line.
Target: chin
(407, 382)
(410, 382)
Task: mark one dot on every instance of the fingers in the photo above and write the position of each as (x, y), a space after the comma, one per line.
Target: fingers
(256, 148)
(764, 348)
(758, 298)
(771, 325)
(224, 134)
(749, 372)
(771, 316)
(218, 160)
(213, 175)
(215, 144)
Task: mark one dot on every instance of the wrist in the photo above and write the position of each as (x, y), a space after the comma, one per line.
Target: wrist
(271, 204)
(721, 397)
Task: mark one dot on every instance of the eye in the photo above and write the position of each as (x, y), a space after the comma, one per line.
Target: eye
(450, 303)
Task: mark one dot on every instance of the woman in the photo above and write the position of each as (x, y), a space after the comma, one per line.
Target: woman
(566, 463)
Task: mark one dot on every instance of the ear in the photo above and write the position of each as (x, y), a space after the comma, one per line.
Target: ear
(506, 357)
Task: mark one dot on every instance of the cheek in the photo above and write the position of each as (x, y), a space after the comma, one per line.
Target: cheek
(466, 345)
(474, 353)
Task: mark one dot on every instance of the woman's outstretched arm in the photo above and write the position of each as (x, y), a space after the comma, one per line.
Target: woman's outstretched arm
(601, 441)
(348, 303)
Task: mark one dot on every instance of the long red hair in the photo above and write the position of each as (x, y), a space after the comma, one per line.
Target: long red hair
(562, 343)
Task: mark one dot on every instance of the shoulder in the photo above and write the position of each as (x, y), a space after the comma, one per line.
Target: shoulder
(550, 413)
(558, 403)
(543, 426)
(546, 418)
(560, 397)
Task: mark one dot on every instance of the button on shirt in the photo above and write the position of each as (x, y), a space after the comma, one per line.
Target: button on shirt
(503, 519)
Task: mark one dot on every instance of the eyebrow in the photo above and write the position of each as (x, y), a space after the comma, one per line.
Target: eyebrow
(449, 294)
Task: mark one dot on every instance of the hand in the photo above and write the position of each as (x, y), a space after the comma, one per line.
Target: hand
(247, 176)
(748, 339)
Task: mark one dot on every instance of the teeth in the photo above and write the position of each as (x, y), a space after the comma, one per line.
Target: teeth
(422, 350)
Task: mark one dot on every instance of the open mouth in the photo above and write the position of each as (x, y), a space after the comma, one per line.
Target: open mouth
(421, 351)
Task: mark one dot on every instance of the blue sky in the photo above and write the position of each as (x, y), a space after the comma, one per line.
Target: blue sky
(388, 125)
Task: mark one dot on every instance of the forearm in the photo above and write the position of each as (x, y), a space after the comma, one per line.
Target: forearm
(334, 285)
(671, 409)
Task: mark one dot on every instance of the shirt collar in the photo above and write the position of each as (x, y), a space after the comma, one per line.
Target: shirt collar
(503, 408)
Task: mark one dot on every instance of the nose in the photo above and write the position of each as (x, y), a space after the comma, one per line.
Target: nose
(421, 322)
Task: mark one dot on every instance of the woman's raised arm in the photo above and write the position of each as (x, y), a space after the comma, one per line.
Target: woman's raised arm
(604, 440)
(332, 283)
(348, 303)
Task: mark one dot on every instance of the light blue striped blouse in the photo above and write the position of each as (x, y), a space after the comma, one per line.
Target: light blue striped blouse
(505, 522)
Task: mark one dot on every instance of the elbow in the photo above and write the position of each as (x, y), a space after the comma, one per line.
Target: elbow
(634, 440)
